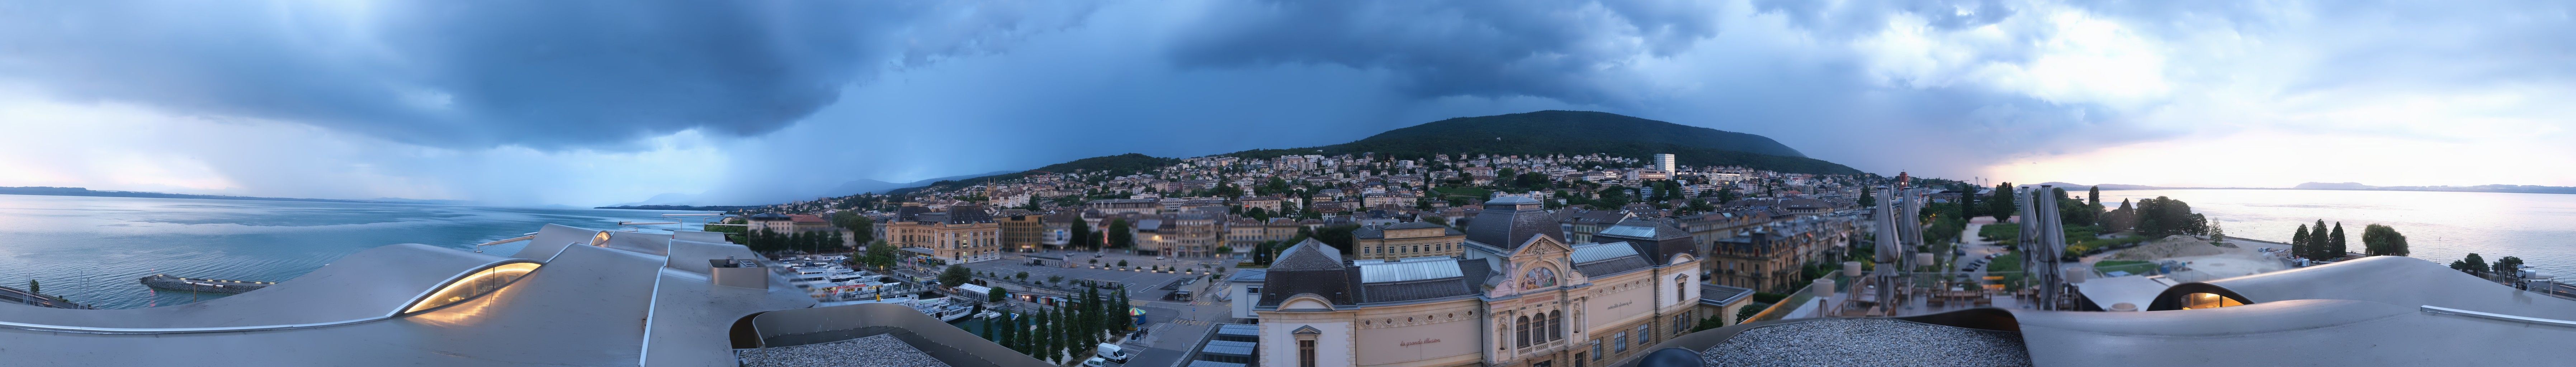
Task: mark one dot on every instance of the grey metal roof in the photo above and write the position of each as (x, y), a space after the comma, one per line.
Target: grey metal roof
(1309, 255)
(1629, 231)
(1511, 221)
(1230, 348)
(1248, 276)
(1381, 271)
(1720, 295)
(1591, 252)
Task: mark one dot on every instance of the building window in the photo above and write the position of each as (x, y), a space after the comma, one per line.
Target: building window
(1596, 349)
(1555, 325)
(1306, 353)
(1522, 332)
(1619, 343)
(1645, 334)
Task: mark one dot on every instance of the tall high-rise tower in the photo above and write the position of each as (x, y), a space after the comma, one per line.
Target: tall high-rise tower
(1664, 162)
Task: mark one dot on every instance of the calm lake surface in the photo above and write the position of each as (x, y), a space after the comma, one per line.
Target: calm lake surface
(92, 249)
(2439, 226)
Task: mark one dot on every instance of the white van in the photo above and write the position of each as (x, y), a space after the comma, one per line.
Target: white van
(1113, 352)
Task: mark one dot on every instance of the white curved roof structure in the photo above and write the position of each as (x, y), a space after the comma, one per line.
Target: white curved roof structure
(598, 299)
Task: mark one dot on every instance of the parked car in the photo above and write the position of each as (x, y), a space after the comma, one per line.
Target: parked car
(1112, 352)
(1095, 362)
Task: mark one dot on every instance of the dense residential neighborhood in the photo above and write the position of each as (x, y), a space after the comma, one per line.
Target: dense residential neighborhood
(1759, 228)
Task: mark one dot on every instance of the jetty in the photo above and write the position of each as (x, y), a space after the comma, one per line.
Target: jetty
(165, 281)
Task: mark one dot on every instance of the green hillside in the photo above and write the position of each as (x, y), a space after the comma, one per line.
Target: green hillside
(1116, 165)
(1577, 132)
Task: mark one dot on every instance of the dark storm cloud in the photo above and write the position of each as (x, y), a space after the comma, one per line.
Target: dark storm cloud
(545, 74)
(1551, 49)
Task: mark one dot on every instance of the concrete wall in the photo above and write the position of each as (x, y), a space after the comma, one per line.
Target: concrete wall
(1440, 334)
(1332, 348)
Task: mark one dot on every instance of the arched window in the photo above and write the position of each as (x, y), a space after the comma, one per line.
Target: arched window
(1555, 325)
(1521, 332)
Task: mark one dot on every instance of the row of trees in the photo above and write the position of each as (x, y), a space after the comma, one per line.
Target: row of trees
(1058, 333)
(2478, 266)
(768, 241)
(2318, 242)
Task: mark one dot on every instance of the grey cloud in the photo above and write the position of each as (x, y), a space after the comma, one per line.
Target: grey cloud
(545, 74)
(1551, 49)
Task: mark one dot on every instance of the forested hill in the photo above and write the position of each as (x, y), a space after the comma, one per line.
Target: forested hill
(1576, 132)
(1115, 165)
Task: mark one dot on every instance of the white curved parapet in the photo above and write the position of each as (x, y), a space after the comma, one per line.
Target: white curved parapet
(2498, 316)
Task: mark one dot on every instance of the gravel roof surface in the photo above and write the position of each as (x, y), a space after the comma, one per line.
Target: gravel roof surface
(875, 351)
(1868, 342)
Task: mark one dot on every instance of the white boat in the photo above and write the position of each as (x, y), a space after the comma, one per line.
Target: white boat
(943, 309)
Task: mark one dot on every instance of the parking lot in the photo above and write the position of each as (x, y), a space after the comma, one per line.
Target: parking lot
(1142, 285)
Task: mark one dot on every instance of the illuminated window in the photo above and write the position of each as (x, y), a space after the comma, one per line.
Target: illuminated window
(476, 284)
(2208, 300)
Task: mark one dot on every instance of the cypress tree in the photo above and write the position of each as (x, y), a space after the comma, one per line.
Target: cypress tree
(2003, 204)
(2095, 197)
(2317, 242)
(1045, 344)
(1967, 202)
(2337, 238)
(988, 331)
(2299, 243)
(1007, 337)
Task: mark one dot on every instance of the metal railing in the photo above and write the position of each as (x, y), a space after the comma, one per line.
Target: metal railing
(2498, 316)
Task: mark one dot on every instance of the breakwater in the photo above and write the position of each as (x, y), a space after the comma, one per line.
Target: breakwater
(165, 281)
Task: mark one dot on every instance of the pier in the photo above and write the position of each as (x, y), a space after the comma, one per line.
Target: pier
(165, 281)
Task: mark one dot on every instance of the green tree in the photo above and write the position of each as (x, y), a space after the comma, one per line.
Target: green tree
(862, 229)
(33, 287)
(2095, 197)
(2334, 240)
(1867, 200)
(2317, 236)
(1120, 236)
(955, 275)
(988, 331)
(2507, 265)
(1006, 336)
(2383, 240)
(2003, 204)
(1119, 313)
(2299, 243)
(997, 295)
(1082, 237)
(2471, 264)
(1726, 194)
(1044, 346)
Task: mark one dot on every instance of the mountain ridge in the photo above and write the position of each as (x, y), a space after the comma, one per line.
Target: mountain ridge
(1575, 132)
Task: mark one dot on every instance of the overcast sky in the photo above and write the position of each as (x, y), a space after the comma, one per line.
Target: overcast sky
(605, 102)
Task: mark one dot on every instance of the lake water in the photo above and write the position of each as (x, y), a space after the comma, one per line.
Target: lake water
(92, 249)
(2439, 226)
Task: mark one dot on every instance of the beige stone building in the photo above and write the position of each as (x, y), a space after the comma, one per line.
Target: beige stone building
(1408, 239)
(964, 233)
(1023, 233)
(1518, 296)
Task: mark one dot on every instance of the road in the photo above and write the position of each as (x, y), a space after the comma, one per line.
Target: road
(1174, 328)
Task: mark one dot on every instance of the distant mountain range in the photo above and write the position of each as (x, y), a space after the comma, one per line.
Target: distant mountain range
(77, 191)
(1533, 133)
(2356, 186)
(1576, 132)
(852, 187)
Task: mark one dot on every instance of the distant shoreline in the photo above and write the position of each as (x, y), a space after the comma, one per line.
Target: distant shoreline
(2567, 191)
(76, 191)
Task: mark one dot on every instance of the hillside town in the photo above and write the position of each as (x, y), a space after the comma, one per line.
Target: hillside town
(1761, 225)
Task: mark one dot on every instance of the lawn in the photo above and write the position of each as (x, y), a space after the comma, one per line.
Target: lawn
(2008, 265)
(2131, 266)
